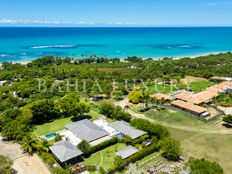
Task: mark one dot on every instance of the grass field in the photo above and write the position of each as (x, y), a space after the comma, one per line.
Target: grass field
(105, 158)
(195, 84)
(215, 147)
(174, 117)
(59, 124)
(200, 85)
(212, 147)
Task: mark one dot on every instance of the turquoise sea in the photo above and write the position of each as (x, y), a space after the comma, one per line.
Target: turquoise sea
(25, 44)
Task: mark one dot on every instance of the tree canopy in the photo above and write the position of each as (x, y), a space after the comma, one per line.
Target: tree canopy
(202, 166)
(171, 148)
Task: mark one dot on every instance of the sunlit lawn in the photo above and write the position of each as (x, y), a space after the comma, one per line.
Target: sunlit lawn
(215, 147)
(105, 158)
(59, 124)
(174, 117)
(200, 85)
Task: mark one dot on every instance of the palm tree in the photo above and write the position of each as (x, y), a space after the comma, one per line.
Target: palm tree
(45, 144)
(29, 144)
(145, 97)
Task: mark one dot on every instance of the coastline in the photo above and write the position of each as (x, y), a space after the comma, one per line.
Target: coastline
(24, 62)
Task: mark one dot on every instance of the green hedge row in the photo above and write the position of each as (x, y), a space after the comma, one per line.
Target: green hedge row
(103, 145)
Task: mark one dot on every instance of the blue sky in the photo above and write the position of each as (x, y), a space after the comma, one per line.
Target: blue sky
(116, 12)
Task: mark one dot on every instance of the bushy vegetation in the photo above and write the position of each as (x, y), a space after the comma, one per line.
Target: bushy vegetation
(135, 96)
(114, 112)
(225, 99)
(18, 122)
(171, 148)
(6, 165)
(152, 129)
(85, 147)
(228, 119)
(202, 166)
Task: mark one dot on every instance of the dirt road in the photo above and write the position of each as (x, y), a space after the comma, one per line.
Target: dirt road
(23, 163)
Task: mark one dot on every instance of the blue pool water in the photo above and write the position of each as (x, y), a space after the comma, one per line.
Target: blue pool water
(25, 44)
(50, 136)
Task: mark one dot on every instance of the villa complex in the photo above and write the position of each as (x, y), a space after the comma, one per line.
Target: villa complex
(191, 102)
(96, 132)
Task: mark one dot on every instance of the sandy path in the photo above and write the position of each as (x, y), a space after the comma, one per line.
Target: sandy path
(30, 164)
(23, 163)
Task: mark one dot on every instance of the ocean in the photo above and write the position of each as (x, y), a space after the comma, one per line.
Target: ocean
(18, 44)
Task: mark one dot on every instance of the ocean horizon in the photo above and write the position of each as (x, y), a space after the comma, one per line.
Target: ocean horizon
(23, 44)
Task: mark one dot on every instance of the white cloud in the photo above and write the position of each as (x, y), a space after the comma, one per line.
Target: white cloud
(57, 22)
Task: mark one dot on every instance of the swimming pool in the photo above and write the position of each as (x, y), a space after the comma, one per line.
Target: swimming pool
(50, 136)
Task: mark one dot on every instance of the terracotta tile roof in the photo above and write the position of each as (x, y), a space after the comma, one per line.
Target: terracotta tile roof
(219, 87)
(204, 96)
(189, 106)
(160, 96)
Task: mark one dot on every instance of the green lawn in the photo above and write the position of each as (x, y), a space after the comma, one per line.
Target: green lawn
(180, 134)
(174, 117)
(105, 157)
(200, 85)
(59, 124)
(214, 147)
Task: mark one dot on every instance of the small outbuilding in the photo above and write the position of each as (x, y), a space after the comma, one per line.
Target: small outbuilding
(127, 152)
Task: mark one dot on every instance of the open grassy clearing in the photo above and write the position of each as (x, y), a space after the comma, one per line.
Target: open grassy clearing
(174, 117)
(59, 124)
(210, 146)
(215, 147)
(201, 85)
(105, 157)
(180, 134)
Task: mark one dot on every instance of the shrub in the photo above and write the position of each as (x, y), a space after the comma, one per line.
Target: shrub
(202, 166)
(114, 112)
(48, 158)
(152, 129)
(58, 138)
(85, 147)
(135, 96)
(171, 148)
(228, 119)
(6, 165)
